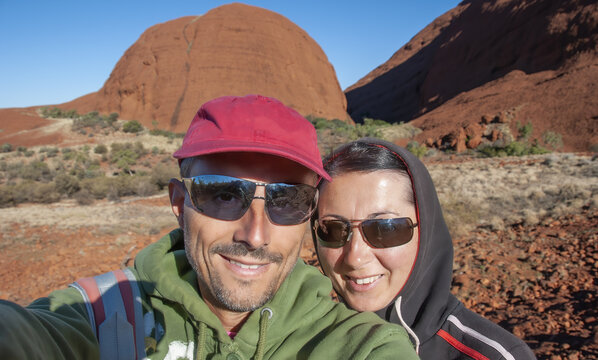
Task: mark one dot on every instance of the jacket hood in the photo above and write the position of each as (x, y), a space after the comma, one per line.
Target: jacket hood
(425, 299)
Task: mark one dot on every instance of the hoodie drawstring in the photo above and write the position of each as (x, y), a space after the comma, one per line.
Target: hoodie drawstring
(261, 342)
(411, 332)
(201, 339)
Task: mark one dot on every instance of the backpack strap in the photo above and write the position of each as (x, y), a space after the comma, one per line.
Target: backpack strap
(113, 303)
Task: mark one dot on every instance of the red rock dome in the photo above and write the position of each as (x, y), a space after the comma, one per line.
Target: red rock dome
(234, 49)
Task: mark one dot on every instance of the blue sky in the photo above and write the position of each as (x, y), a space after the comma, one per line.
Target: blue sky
(54, 51)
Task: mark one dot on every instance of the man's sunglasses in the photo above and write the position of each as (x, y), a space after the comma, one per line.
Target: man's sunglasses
(378, 233)
(228, 198)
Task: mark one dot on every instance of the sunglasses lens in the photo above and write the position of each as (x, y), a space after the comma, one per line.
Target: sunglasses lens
(384, 233)
(221, 197)
(290, 204)
(332, 233)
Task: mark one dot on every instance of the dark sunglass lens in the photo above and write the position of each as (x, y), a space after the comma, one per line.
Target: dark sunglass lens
(384, 233)
(333, 233)
(290, 204)
(221, 197)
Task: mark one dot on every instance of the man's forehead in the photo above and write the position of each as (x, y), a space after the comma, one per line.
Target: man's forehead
(252, 165)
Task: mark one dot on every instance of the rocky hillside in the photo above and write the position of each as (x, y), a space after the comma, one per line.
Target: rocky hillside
(507, 61)
(234, 49)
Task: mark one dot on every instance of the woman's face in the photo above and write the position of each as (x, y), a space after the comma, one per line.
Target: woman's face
(368, 278)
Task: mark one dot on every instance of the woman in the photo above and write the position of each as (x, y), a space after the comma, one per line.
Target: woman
(382, 240)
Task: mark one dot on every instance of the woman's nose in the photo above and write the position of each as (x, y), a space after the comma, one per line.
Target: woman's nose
(357, 251)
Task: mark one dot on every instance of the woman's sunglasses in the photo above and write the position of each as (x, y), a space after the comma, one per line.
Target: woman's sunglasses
(228, 198)
(378, 233)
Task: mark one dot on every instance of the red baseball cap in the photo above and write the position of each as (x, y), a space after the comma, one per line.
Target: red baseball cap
(252, 123)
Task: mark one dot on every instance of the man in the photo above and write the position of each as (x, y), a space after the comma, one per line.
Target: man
(228, 284)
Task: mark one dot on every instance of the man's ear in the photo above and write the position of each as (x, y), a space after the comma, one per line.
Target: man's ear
(176, 192)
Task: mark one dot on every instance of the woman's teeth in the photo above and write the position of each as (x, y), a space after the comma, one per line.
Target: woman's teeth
(367, 280)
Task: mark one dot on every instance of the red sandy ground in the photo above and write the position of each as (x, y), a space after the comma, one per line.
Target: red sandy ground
(538, 282)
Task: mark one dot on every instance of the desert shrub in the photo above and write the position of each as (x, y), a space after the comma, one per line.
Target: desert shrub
(94, 120)
(460, 215)
(594, 148)
(112, 118)
(144, 186)
(21, 149)
(166, 133)
(66, 184)
(44, 193)
(553, 139)
(6, 196)
(98, 188)
(37, 171)
(58, 113)
(6, 147)
(416, 149)
(515, 148)
(525, 131)
(50, 152)
(162, 173)
(125, 185)
(29, 191)
(125, 155)
(100, 149)
(84, 197)
(132, 126)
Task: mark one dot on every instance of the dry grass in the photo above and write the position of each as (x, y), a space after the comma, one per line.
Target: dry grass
(498, 192)
(491, 193)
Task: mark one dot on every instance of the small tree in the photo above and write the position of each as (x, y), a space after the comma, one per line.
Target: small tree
(132, 126)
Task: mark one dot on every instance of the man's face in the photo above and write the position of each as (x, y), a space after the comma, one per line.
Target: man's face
(241, 264)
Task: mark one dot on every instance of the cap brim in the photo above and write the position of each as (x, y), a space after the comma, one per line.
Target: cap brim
(215, 147)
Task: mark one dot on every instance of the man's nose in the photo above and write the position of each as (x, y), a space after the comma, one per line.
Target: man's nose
(254, 226)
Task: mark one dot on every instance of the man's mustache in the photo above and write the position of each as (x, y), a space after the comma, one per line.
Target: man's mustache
(238, 249)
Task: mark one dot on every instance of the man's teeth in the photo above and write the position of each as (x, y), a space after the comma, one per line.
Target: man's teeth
(368, 280)
(243, 266)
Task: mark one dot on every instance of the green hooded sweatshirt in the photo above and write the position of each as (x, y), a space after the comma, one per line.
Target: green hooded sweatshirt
(301, 322)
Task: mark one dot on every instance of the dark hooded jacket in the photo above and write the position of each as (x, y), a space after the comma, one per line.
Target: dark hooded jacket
(439, 324)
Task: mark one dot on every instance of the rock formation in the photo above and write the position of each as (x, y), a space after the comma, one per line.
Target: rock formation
(537, 59)
(234, 49)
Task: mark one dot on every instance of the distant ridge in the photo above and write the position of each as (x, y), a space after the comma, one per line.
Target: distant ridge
(533, 59)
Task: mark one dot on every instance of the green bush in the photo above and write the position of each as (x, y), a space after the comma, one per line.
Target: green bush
(6, 196)
(416, 149)
(50, 152)
(100, 149)
(553, 139)
(144, 186)
(36, 171)
(58, 113)
(515, 148)
(132, 126)
(92, 120)
(525, 131)
(84, 197)
(125, 155)
(6, 148)
(43, 193)
(66, 184)
(166, 133)
(28, 191)
(162, 173)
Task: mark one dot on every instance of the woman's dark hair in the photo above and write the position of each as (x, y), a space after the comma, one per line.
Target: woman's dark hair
(363, 157)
